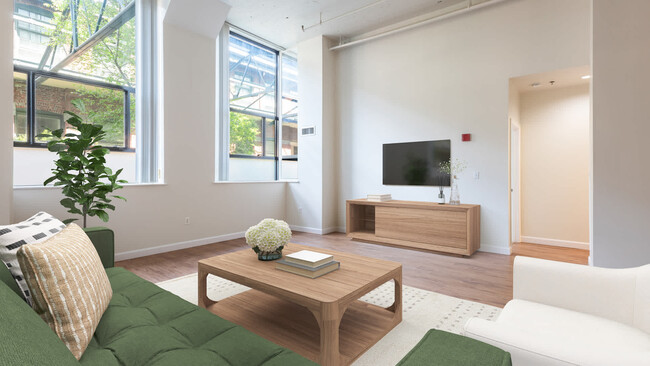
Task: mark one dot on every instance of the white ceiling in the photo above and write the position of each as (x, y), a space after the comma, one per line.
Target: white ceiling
(281, 21)
(561, 78)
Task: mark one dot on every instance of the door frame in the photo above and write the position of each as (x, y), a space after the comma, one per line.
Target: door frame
(514, 180)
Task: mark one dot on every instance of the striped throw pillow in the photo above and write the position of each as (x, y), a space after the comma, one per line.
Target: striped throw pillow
(35, 229)
(70, 289)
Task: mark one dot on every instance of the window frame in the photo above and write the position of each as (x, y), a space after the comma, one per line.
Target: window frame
(277, 110)
(32, 77)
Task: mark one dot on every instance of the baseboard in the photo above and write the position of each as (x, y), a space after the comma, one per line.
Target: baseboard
(497, 249)
(555, 242)
(176, 246)
(203, 241)
(313, 230)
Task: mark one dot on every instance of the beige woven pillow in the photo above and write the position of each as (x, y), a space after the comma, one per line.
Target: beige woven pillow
(70, 289)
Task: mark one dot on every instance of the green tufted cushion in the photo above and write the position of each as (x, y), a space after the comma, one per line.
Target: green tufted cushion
(145, 325)
(440, 348)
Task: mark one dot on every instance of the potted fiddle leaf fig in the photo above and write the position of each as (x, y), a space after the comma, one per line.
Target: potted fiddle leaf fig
(88, 184)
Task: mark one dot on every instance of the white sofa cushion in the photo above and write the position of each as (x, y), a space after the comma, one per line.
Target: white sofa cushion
(541, 334)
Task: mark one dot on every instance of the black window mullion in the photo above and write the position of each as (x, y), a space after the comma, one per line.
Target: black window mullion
(31, 109)
(127, 119)
(263, 136)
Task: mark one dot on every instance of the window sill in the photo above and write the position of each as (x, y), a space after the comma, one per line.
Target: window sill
(255, 181)
(27, 188)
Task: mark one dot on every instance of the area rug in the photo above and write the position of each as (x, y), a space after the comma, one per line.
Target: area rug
(423, 310)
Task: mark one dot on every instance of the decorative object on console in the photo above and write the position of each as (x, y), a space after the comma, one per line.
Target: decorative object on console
(441, 197)
(35, 229)
(453, 169)
(81, 168)
(268, 238)
(380, 197)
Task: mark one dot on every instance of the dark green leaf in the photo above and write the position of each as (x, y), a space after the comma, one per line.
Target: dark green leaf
(67, 203)
(102, 215)
(49, 180)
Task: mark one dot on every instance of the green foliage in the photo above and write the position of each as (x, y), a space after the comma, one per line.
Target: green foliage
(244, 132)
(87, 182)
(105, 107)
(454, 167)
(114, 57)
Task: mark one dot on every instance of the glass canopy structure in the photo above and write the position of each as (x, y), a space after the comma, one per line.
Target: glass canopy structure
(86, 38)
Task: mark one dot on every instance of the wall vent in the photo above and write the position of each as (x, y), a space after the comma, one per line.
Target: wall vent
(309, 131)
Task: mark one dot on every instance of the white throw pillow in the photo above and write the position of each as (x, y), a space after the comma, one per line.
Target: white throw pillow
(35, 229)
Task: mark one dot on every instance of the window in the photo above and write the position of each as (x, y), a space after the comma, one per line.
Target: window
(289, 117)
(68, 50)
(257, 147)
(53, 95)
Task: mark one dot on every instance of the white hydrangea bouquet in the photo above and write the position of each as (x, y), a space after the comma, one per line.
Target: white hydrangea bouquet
(268, 238)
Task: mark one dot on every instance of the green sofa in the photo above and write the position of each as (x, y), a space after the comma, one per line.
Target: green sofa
(143, 325)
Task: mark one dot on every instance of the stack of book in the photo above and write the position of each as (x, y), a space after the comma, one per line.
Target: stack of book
(307, 263)
(379, 197)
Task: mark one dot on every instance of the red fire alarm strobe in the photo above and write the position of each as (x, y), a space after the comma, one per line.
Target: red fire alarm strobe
(467, 137)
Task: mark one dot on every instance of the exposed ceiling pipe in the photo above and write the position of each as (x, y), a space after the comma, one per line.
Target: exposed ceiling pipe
(321, 21)
(435, 18)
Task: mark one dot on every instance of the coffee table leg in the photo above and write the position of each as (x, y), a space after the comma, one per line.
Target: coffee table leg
(329, 319)
(204, 301)
(397, 305)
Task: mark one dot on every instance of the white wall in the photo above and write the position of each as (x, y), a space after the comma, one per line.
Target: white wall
(444, 79)
(6, 110)
(311, 202)
(155, 215)
(32, 166)
(555, 151)
(621, 172)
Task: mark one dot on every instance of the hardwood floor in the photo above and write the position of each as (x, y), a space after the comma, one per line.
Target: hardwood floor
(570, 255)
(483, 277)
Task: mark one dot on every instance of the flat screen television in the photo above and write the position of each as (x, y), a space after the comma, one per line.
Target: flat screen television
(416, 163)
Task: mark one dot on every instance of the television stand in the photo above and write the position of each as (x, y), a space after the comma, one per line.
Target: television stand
(428, 226)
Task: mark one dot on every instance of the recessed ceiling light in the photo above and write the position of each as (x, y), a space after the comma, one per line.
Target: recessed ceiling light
(535, 84)
(585, 77)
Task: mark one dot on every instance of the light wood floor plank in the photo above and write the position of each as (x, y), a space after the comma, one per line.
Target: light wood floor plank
(484, 277)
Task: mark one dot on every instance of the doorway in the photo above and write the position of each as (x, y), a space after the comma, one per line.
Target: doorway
(549, 164)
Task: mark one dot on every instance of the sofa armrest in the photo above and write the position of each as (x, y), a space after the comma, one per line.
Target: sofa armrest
(104, 241)
(526, 348)
(608, 293)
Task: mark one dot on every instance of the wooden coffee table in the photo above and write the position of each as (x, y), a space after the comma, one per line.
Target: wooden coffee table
(321, 319)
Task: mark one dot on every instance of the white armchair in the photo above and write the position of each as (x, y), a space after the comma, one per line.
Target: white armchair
(570, 314)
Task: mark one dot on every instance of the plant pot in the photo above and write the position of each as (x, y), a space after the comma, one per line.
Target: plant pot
(268, 256)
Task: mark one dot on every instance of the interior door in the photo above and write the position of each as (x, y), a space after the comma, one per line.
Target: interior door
(515, 181)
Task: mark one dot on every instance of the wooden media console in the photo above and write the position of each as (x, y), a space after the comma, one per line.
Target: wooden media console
(429, 226)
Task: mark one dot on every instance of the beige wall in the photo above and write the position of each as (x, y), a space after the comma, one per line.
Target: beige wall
(621, 127)
(444, 79)
(555, 164)
(6, 110)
